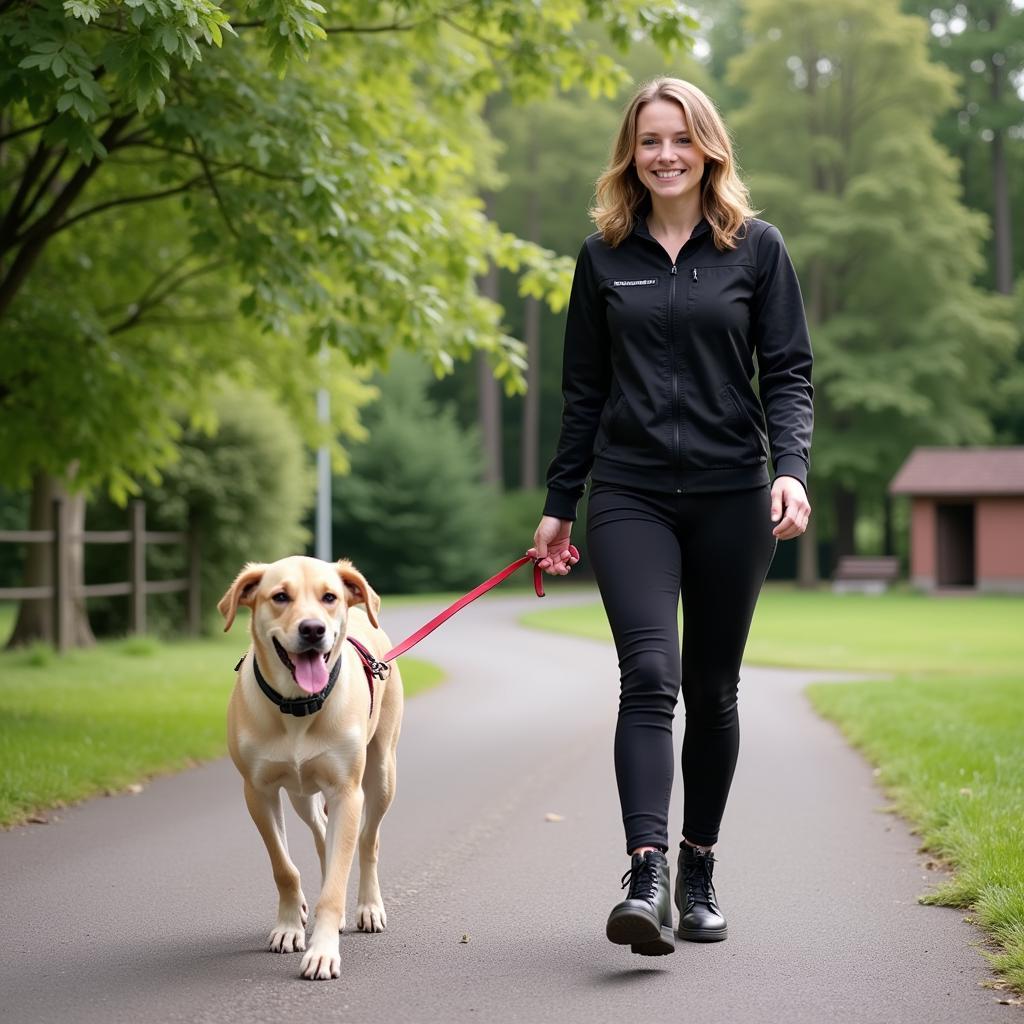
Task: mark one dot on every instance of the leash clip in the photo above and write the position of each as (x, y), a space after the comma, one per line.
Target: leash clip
(380, 669)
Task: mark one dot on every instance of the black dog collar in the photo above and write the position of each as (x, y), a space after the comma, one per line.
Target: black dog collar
(298, 708)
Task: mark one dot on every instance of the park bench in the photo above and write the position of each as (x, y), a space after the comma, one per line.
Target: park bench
(868, 574)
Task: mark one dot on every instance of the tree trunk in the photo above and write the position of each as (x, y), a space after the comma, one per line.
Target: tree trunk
(888, 544)
(489, 418)
(530, 442)
(529, 454)
(1000, 191)
(846, 520)
(807, 570)
(488, 392)
(79, 631)
(35, 618)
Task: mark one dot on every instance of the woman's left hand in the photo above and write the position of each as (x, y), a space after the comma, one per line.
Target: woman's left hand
(789, 500)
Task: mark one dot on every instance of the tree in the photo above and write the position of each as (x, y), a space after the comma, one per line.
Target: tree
(983, 42)
(837, 137)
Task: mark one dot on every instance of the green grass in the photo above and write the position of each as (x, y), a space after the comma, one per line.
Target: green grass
(897, 632)
(946, 731)
(95, 721)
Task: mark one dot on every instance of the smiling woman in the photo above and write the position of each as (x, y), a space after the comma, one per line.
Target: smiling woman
(679, 301)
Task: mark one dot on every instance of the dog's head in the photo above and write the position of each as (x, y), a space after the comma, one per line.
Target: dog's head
(300, 610)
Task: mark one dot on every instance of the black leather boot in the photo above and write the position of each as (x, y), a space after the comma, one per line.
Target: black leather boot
(643, 920)
(700, 919)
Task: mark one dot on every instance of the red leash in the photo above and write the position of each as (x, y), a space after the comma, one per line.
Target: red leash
(538, 586)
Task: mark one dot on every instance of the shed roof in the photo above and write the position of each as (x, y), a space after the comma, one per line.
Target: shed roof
(961, 471)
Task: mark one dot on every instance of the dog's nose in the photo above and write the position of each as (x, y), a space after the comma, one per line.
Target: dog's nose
(312, 630)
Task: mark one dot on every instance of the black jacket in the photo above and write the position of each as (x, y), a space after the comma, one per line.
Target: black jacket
(658, 370)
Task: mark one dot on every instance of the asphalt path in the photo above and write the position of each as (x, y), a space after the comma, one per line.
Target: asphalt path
(156, 907)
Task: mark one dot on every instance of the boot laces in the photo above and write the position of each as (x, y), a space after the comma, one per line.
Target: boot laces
(699, 887)
(642, 879)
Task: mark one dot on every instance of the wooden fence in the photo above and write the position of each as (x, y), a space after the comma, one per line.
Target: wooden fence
(62, 591)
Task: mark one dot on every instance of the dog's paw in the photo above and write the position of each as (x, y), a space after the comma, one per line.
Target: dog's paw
(288, 939)
(370, 917)
(321, 963)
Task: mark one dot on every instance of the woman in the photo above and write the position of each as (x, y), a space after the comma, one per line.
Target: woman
(673, 298)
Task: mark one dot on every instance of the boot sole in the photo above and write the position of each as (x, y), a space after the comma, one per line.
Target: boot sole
(643, 935)
(661, 946)
(700, 935)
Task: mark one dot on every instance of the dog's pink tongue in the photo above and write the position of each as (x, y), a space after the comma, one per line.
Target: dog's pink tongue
(310, 671)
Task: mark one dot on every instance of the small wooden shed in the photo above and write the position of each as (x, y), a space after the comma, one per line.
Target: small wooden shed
(967, 517)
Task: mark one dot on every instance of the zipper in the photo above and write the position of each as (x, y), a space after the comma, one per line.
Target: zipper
(676, 397)
(675, 375)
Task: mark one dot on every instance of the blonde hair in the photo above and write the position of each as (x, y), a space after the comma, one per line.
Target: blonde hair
(725, 200)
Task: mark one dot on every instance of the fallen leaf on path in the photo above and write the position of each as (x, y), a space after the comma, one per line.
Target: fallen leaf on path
(463, 940)
(134, 789)
(551, 816)
(39, 819)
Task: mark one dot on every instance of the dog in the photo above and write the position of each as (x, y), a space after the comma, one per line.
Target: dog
(326, 733)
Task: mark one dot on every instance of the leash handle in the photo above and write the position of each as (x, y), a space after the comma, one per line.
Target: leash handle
(538, 585)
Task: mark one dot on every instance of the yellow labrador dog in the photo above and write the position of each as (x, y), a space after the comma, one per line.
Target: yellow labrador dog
(313, 712)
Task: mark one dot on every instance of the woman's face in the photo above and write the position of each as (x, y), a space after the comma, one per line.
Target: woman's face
(667, 162)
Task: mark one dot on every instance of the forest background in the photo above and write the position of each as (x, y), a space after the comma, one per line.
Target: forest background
(202, 226)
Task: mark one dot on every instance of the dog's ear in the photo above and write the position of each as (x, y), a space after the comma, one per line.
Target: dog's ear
(358, 591)
(241, 592)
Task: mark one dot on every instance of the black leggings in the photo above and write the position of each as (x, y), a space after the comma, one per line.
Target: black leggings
(646, 548)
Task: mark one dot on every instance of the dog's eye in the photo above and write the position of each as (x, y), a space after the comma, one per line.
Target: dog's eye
(280, 598)
(329, 598)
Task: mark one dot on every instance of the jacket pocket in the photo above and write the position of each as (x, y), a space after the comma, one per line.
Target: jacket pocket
(745, 423)
(620, 427)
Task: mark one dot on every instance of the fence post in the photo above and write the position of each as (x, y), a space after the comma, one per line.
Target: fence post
(138, 566)
(193, 576)
(61, 582)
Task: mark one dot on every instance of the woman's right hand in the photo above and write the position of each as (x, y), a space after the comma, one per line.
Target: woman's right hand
(551, 549)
